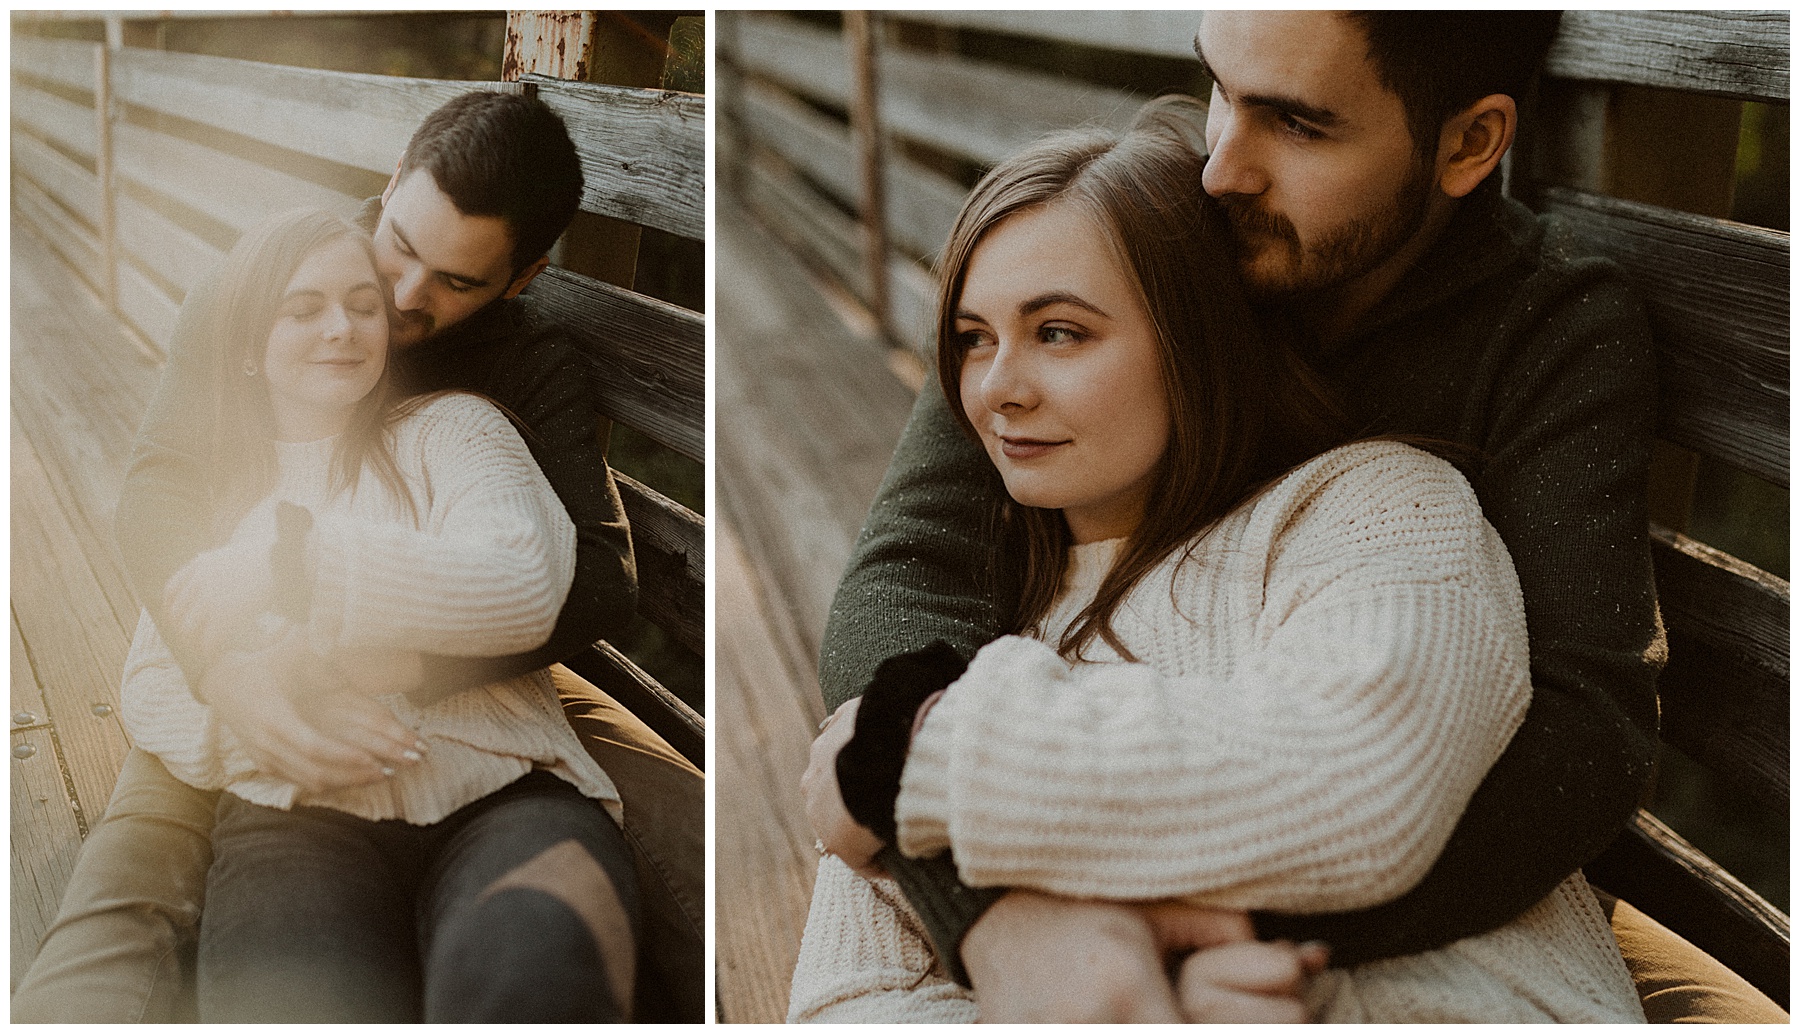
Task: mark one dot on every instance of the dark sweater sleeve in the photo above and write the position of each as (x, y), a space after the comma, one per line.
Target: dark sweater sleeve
(157, 523)
(545, 384)
(1564, 484)
(920, 573)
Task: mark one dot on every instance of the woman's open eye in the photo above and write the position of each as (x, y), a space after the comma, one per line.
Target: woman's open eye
(971, 339)
(1060, 335)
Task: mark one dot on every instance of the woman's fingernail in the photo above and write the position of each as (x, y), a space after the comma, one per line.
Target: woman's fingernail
(412, 755)
(386, 771)
(421, 746)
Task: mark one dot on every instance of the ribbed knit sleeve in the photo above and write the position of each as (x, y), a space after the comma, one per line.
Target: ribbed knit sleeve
(1309, 746)
(485, 575)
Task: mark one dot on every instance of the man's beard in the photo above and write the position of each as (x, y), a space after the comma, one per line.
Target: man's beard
(409, 328)
(1341, 256)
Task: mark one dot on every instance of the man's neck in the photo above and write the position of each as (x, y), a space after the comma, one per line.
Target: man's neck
(1334, 313)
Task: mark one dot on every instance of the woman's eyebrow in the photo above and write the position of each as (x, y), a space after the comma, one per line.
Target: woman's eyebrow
(1049, 298)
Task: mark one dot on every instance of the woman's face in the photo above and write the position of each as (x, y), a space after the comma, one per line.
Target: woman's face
(1061, 376)
(329, 343)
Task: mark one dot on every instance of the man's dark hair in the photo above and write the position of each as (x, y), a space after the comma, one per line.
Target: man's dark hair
(506, 155)
(1440, 62)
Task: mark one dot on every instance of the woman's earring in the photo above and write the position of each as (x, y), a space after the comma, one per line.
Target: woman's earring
(249, 367)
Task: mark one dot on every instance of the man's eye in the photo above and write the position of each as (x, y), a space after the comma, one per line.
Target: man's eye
(457, 287)
(1295, 127)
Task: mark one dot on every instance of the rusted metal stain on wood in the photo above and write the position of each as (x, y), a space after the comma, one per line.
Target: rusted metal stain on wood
(538, 41)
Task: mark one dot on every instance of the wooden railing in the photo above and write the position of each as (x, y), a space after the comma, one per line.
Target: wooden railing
(141, 168)
(867, 192)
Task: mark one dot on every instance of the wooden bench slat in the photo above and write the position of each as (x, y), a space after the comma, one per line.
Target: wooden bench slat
(73, 241)
(1659, 872)
(649, 357)
(62, 122)
(1155, 33)
(829, 237)
(65, 62)
(148, 236)
(643, 152)
(1722, 600)
(924, 97)
(74, 187)
(363, 121)
(151, 312)
(236, 192)
(669, 541)
(921, 205)
(45, 839)
(1717, 292)
(1741, 54)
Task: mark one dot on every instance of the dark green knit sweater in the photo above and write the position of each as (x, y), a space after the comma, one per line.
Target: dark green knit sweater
(1506, 337)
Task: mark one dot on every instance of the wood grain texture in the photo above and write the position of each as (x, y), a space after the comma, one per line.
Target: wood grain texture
(44, 843)
(363, 121)
(232, 190)
(669, 542)
(926, 97)
(1156, 33)
(65, 62)
(148, 237)
(1718, 298)
(808, 417)
(649, 357)
(71, 240)
(73, 187)
(643, 152)
(1742, 54)
(65, 123)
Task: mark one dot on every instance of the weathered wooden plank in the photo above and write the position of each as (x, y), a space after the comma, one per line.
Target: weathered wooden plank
(643, 152)
(73, 242)
(66, 62)
(72, 186)
(220, 186)
(1658, 871)
(1741, 54)
(363, 121)
(178, 255)
(45, 839)
(765, 861)
(1155, 33)
(27, 695)
(1718, 299)
(818, 230)
(649, 357)
(77, 643)
(1718, 598)
(144, 305)
(925, 97)
(669, 541)
(921, 204)
(67, 124)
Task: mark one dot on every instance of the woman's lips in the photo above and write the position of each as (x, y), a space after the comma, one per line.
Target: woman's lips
(1028, 448)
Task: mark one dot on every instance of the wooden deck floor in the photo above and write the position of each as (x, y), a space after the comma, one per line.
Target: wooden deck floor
(807, 416)
(79, 388)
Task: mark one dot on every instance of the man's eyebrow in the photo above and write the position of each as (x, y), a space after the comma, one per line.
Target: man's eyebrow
(394, 225)
(1324, 118)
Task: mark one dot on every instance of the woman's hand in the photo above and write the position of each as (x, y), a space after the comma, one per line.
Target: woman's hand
(838, 832)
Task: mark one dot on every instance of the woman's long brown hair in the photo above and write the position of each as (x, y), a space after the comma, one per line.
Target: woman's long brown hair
(238, 313)
(1244, 409)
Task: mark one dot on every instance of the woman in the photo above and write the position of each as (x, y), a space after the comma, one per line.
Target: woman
(485, 879)
(1257, 667)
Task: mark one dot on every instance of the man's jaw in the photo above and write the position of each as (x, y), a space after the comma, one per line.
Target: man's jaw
(406, 328)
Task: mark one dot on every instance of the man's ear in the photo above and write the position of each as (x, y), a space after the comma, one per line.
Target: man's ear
(519, 282)
(1473, 142)
(393, 181)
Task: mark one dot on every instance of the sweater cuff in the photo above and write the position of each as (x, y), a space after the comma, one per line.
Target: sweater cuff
(946, 906)
(921, 812)
(870, 764)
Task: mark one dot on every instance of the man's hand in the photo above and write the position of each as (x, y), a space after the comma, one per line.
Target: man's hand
(216, 598)
(832, 823)
(318, 739)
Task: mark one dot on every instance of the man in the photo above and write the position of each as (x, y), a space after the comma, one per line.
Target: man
(485, 187)
(1354, 154)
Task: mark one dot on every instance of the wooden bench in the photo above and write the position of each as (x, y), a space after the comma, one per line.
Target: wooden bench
(134, 171)
(855, 142)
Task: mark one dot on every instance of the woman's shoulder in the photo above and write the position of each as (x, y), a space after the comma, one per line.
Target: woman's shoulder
(1376, 467)
(1368, 483)
(453, 416)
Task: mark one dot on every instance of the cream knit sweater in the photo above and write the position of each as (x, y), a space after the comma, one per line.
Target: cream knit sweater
(1323, 682)
(482, 571)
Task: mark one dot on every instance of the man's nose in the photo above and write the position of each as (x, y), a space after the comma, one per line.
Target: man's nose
(1233, 167)
(409, 289)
